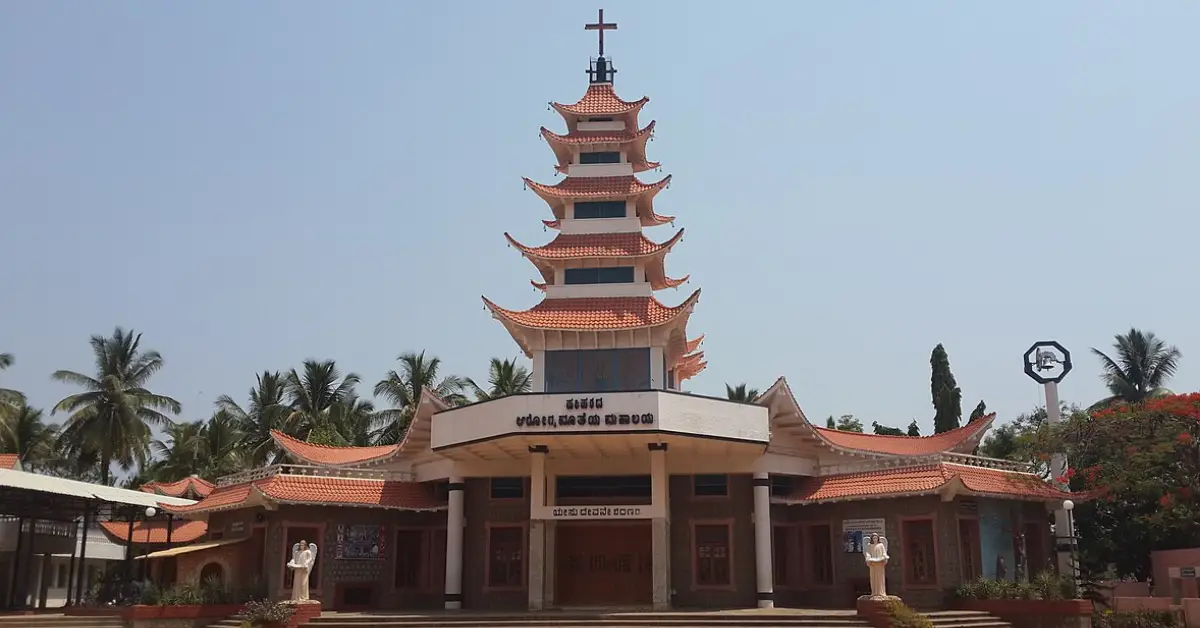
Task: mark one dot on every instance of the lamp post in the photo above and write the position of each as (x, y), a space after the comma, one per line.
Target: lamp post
(144, 570)
(1047, 363)
(1068, 507)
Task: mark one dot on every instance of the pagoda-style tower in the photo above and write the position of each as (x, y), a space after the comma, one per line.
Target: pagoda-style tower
(599, 326)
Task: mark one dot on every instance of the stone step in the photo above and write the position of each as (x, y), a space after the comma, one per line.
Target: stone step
(67, 621)
(973, 622)
(796, 621)
(392, 623)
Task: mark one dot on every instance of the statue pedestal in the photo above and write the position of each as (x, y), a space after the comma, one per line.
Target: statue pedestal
(874, 610)
(306, 611)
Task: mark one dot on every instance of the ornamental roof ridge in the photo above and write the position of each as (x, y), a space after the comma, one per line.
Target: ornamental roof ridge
(275, 470)
(566, 246)
(595, 313)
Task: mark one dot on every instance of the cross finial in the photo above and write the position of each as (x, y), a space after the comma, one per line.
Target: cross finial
(601, 26)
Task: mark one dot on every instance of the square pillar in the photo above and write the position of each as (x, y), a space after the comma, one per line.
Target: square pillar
(762, 540)
(455, 519)
(537, 527)
(660, 531)
(537, 375)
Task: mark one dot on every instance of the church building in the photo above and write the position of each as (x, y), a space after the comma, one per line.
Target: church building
(609, 485)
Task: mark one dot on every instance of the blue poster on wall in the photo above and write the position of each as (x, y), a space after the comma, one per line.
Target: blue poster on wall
(359, 542)
(853, 541)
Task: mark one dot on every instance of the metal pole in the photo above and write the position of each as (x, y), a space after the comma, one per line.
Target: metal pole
(1058, 469)
(129, 550)
(16, 566)
(71, 568)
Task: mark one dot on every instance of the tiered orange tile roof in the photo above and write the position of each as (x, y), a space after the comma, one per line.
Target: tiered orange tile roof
(325, 455)
(690, 366)
(595, 314)
(284, 488)
(928, 479)
(953, 440)
(155, 531)
(633, 142)
(694, 344)
(600, 100)
(9, 461)
(180, 488)
(593, 245)
(596, 188)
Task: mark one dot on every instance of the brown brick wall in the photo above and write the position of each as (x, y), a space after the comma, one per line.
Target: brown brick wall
(482, 512)
(737, 509)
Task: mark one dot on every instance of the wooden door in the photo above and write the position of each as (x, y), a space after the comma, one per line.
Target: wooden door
(604, 565)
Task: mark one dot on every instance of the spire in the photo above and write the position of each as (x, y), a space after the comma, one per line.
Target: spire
(600, 69)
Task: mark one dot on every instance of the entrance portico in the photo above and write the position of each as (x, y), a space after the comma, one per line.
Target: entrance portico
(599, 468)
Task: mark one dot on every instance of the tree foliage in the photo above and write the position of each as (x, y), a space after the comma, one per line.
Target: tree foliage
(505, 377)
(914, 429)
(1144, 461)
(947, 397)
(1142, 367)
(979, 412)
(741, 393)
(885, 430)
(845, 423)
(403, 389)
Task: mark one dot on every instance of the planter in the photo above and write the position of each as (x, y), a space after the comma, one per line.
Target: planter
(184, 611)
(1035, 613)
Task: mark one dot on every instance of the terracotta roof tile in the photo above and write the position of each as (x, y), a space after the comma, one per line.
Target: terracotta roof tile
(600, 137)
(9, 461)
(596, 187)
(694, 344)
(952, 440)
(155, 531)
(324, 455)
(926, 479)
(604, 313)
(319, 490)
(593, 245)
(199, 486)
(600, 99)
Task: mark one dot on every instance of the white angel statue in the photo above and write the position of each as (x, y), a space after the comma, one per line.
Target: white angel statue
(875, 552)
(304, 556)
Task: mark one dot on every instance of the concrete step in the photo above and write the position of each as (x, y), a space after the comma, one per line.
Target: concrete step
(340, 620)
(56, 620)
(974, 622)
(615, 623)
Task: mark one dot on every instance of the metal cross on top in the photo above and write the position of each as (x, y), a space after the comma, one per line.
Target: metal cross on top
(601, 26)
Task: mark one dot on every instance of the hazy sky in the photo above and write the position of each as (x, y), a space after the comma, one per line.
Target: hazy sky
(253, 184)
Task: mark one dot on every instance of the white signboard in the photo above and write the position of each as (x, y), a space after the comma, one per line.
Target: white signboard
(854, 530)
(598, 513)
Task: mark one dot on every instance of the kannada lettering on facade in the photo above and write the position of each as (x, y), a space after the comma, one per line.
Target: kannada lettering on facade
(584, 419)
(596, 512)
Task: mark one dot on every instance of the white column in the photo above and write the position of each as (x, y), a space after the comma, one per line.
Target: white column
(660, 530)
(537, 527)
(762, 540)
(1063, 530)
(656, 369)
(537, 377)
(551, 541)
(455, 519)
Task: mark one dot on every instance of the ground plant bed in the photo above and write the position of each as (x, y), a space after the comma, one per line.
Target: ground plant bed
(181, 611)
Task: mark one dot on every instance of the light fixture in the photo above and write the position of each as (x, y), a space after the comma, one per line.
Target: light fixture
(150, 511)
(1068, 505)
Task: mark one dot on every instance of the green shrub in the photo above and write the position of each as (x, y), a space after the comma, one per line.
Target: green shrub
(266, 612)
(901, 616)
(1045, 586)
(1136, 619)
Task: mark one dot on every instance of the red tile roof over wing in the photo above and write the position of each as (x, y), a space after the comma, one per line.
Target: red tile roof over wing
(9, 461)
(927, 480)
(318, 490)
(600, 100)
(596, 187)
(197, 485)
(155, 531)
(325, 455)
(603, 313)
(964, 437)
(592, 245)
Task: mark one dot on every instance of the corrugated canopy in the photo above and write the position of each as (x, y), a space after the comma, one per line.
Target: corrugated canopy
(31, 494)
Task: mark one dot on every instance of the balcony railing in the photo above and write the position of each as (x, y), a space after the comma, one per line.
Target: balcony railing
(48, 528)
(866, 464)
(313, 470)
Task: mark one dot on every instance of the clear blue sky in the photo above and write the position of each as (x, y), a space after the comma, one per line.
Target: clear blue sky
(253, 184)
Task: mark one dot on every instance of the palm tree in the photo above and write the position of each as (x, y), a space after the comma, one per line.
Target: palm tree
(356, 421)
(222, 438)
(267, 411)
(179, 453)
(10, 401)
(1143, 365)
(741, 394)
(403, 390)
(29, 437)
(313, 394)
(505, 377)
(113, 416)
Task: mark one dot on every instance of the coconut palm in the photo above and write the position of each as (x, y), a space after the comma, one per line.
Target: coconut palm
(10, 402)
(29, 437)
(505, 377)
(741, 393)
(222, 438)
(267, 411)
(1141, 369)
(312, 394)
(113, 416)
(403, 390)
(355, 421)
(180, 453)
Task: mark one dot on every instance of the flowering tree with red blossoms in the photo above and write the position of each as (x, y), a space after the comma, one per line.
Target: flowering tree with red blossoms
(1143, 462)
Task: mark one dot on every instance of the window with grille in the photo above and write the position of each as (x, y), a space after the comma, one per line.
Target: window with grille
(781, 560)
(969, 548)
(599, 209)
(607, 274)
(710, 485)
(507, 488)
(920, 564)
(506, 557)
(712, 555)
(410, 548)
